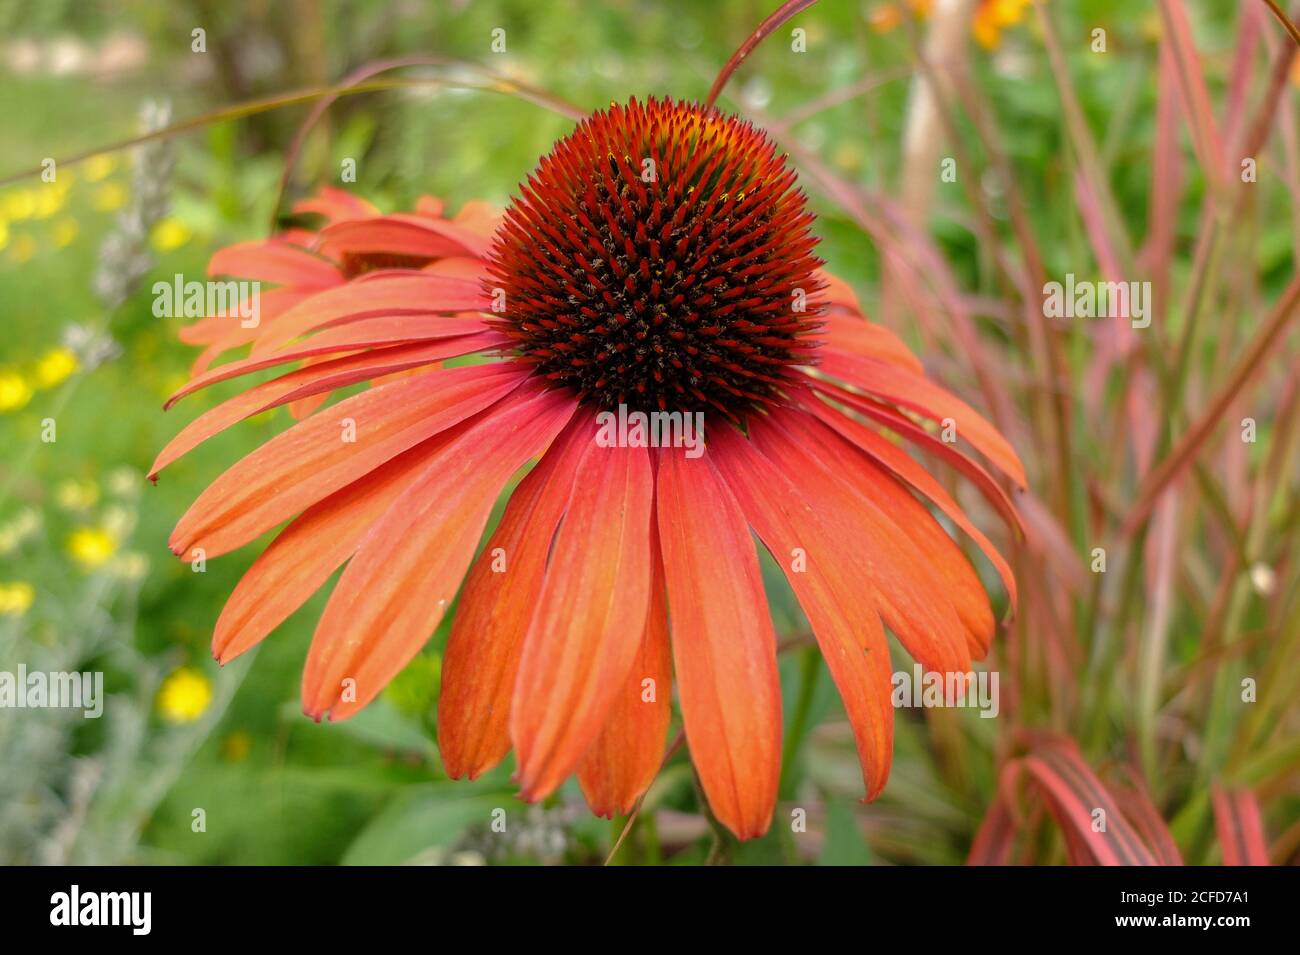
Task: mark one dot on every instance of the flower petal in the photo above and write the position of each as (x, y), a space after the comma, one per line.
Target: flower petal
(402, 235)
(496, 609)
(316, 379)
(920, 614)
(828, 580)
(312, 459)
(910, 470)
(917, 393)
(304, 555)
(723, 645)
(590, 617)
(274, 261)
(396, 589)
(622, 762)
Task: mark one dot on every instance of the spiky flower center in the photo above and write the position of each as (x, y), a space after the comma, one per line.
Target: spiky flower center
(660, 257)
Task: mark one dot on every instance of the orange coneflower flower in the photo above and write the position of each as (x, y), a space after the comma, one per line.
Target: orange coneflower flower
(660, 259)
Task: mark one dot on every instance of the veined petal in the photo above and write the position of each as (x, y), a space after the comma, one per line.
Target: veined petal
(336, 205)
(304, 555)
(312, 459)
(917, 393)
(496, 609)
(723, 645)
(310, 380)
(403, 293)
(367, 333)
(829, 582)
(857, 336)
(905, 427)
(590, 617)
(402, 235)
(621, 764)
(910, 470)
(399, 584)
(274, 261)
(922, 617)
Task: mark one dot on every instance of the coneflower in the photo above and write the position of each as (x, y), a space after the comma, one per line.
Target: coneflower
(659, 259)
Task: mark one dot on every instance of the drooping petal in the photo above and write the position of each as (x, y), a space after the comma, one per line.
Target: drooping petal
(621, 764)
(919, 613)
(905, 427)
(910, 470)
(314, 379)
(724, 649)
(314, 458)
(830, 583)
(274, 261)
(336, 205)
(399, 234)
(404, 575)
(590, 617)
(368, 333)
(917, 393)
(496, 609)
(304, 555)
(951, 573)
(402, 293)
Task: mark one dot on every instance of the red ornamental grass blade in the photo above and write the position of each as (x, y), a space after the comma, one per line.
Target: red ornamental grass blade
(1095, 830)
(1239, 826)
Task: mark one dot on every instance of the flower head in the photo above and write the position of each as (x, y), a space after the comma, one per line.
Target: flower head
(184, 696)
(686, 285)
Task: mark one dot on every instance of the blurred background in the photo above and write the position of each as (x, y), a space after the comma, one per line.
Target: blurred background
(1158, 561)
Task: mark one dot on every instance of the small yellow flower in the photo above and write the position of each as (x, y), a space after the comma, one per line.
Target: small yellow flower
(184, 695)
(65, 231)
(236, 747)
(91, 546)
(55, 367)
(16, 598)
(15, 391)
(109, 197)
(74, 495)
(97, 167)
(18, 205)
(4, 233)
(993, 15)
(49, 200)
(170, 234)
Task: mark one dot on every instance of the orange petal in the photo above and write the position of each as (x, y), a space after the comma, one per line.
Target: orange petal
(925, 621)
(496, 609)
(724, 648)
(398, 293)
(401, 235)
(622, 762)
(312, 459)
(590, 616)
(910, 470)
(856, 336)
(917, 393)
(828, 580)
(368, 333)
(397, 587)
(336, 205)
(302, 558)
(276, 262)
(317, 380)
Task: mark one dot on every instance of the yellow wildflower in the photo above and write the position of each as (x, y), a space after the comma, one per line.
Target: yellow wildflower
(170, 234)
(16, 598)
(91, 546)
(109, 197)
(65, 230)
(184, 695)
(55, 367)
(98, 167)
(15, 391)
